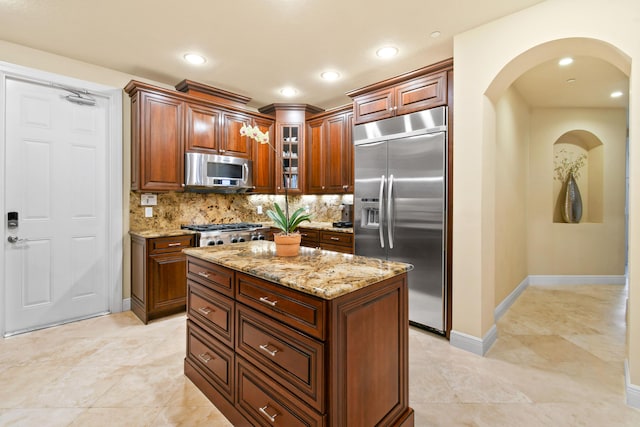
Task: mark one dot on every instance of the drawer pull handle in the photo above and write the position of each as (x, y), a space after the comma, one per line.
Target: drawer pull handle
(171, 245)
(334, 238)
(204, 310)
(266, 300)
(265, 348)
(205, 357)
(204, 274)
(271, 418)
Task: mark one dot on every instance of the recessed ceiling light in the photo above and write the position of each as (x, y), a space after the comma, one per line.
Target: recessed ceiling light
(387, 52)
(288, 91)
(565, 61)
(330, 75)
(571, 80)
(435, 34)
(194, 58)
(616, 94)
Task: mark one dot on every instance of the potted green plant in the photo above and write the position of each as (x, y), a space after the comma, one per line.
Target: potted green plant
(288, 241)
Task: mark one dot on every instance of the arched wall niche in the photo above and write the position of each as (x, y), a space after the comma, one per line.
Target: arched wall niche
(582, 151)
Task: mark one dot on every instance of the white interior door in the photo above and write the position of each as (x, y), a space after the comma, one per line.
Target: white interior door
(55, 179)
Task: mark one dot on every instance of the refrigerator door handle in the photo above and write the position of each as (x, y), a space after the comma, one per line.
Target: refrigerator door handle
(381, 211)
(390, 224)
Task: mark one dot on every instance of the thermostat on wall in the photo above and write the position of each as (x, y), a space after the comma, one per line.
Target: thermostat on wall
(148, 200)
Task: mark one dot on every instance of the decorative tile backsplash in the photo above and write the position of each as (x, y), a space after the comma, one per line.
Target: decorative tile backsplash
(174, 209)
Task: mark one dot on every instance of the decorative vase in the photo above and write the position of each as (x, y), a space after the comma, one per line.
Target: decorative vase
(287, 244)
(572, 207)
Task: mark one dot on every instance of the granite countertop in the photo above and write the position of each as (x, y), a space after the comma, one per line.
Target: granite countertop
(152, 234)
(324, 274)
(326, 226)
(315, 225)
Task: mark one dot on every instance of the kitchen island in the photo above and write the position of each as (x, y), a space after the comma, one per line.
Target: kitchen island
(320, 339)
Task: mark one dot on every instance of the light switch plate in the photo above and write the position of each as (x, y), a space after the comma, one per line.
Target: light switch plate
(148, 212)
(148, 200)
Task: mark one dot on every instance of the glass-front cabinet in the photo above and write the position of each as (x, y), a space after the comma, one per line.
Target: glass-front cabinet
(289, 160)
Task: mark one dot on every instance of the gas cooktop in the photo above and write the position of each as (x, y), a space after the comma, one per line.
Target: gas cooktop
(238, 226)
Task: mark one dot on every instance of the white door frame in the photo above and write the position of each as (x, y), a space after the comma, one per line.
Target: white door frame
(114, 212)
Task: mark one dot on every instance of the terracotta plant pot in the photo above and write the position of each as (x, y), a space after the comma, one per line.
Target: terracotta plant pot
(287, 244)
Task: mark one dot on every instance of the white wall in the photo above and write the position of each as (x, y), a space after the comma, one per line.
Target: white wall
(487, 61)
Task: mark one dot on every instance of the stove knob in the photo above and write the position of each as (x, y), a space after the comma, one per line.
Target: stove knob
(211, 243)
(241, 239)
(219, 242)
(260, 236)
(234, 240)
(254, 237)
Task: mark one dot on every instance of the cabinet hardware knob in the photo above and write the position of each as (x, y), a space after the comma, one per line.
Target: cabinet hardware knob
(171, 245)
(271, 418)
(205, 357)
(203, 274)
(204, 310)
(266, 300)
(265, 348)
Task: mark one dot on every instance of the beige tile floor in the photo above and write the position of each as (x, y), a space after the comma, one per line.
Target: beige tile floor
(558, 361)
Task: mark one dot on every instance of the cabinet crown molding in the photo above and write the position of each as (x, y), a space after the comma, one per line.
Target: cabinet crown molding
(446, 64)
(209, 92)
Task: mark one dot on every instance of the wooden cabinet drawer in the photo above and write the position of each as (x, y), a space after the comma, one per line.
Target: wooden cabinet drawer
(213, 358)
(265, 403)
(309, 237)
(293, 359)
(333, 238)
(211, 311)
(301, 311)
(171, 244)
(213, 276)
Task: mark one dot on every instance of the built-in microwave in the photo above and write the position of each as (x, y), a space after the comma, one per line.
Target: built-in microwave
(215, 173)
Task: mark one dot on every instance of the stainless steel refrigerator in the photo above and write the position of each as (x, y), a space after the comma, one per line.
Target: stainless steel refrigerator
(399, 204)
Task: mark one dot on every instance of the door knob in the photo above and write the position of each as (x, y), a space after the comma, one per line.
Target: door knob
(15, 239)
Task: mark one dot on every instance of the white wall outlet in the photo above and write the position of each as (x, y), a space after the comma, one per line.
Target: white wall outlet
(307, 209)
(148, 200)
(259, 209)
(148, 212)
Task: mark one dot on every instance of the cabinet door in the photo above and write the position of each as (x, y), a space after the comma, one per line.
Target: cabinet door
(420, 94)
(315, 155)
(203, 129)
(347, 154)
(290, 166)
(162, 143)
(263, 156)
(334, 155)
(374, 106)
(167, 281)
(233, 144)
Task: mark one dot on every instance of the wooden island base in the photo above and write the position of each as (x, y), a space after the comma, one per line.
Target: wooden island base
(268, 355)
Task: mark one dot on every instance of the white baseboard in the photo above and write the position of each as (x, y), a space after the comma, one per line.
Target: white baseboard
(633, 391)
(541, 280)
(502, 308)
(126, 304)
(472, 344)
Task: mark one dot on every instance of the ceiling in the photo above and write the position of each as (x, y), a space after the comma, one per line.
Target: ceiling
(257, 47)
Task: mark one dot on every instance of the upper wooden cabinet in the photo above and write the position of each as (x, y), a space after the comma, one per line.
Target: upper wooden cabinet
(329, 152)
(289, 145)
(233, 144)
(165, 124)
(203, 128)
(263, 156)
(157, 142)
(415, 91)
